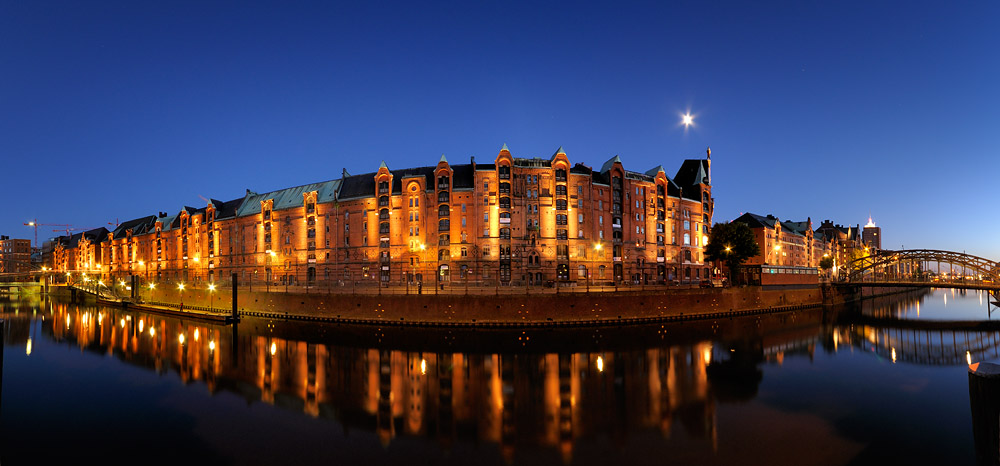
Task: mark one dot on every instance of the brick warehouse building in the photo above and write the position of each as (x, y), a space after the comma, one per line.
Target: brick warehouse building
(516, 221)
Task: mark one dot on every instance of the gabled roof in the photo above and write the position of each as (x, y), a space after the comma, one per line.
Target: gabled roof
(655, 170)
(558, 151)
(287, 198)
(227, 209)
(581, 169)
(138, 226)
(757, 221)
(692, 172)
(168, 222)
(798, 227)
(610, 163)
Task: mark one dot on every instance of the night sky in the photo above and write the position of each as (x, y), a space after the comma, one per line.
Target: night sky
(832, 110)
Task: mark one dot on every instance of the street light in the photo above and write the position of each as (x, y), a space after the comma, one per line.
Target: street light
(597, 248)
(180, 287)
(211, 295)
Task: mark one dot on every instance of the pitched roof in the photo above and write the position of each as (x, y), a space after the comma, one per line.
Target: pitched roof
(756, 221)
(227, 209)
(287, 198)
(610, 163)
(692, 172)
(138, 226)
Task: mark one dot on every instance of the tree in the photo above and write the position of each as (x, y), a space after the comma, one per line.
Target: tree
(826, 263)
(731, 243)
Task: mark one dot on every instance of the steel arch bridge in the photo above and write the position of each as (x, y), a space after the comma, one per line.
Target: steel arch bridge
(901, 264)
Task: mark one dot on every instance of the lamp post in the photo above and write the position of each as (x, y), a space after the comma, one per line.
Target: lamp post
(180, 287)
(211, 296)
(597, 250)
(151, 287)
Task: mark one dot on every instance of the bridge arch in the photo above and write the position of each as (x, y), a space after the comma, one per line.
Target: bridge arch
(896, 260)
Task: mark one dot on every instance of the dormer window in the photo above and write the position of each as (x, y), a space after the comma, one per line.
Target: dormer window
(383, 187)
(443, 182)
(560, 174)
(504, 172)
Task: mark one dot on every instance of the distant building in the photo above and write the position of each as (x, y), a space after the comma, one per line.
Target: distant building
(844, 240)
(872, 235)
(15, 255)
(786, 243)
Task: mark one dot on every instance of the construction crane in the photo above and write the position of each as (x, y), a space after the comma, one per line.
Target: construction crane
(34, 224)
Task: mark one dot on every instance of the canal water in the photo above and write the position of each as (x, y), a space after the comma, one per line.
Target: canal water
(862, 385)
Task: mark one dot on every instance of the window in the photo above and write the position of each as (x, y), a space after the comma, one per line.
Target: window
(383, 214)
(443, 196)
(687, 225)
(465, 252)
(561, 234)
(505, 202)
(444, 224)
(560, 190)
(561, 219)
(579, 189)
(562, 252)
(444, 240)
(486, 217)
(443, 182)
(504, 187)
(561, 204)
(383, 187)
(486, 185)
(486, 251)
(463, 222)
(383, 201)
(504, 172)
(505, 233)
(579, 218)
(560, 174)
(443, 210)
(463, 207)
(687, 239)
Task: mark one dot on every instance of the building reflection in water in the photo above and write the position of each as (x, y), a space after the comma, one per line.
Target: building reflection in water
(660, 379)
(509, 399)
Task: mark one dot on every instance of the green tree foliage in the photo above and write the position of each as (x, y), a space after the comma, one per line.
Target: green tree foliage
(826, 263)
(731, 243)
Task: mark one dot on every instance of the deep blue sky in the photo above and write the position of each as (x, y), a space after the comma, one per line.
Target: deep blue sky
(823, 109)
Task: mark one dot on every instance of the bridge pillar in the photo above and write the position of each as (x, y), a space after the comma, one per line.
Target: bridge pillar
(984, 396)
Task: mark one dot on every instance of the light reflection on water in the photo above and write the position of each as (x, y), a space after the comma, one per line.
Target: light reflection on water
(700, 392)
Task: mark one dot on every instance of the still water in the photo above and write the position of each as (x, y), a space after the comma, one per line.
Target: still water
(95, 384)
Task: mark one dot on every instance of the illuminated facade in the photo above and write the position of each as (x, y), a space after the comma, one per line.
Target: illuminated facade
(516, 221)
(15, 255)
(786, 243)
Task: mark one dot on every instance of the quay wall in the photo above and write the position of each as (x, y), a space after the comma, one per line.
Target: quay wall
(502, 308)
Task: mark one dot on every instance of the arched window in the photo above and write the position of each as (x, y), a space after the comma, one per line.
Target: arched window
(383, 201)
(443, 210)
(383, 214)
(443, 182)
(560, 190)
(444, 239)
(444, 224)
(505, 233)
(505, 202)
(443, 196)
(561, 204)
(383, 187)
(504, 172)
(504, 187)
(560, 174)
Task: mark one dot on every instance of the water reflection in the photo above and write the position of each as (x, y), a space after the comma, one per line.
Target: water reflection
(516, 390)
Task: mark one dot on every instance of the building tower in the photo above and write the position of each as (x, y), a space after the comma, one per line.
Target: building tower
(872, 235)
